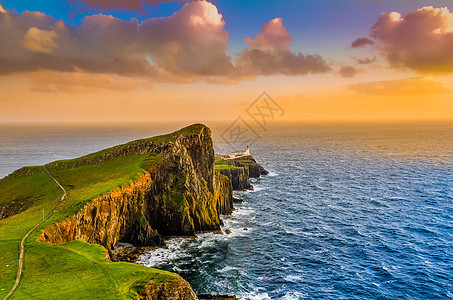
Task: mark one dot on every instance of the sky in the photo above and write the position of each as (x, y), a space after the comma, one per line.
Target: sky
(164, 60)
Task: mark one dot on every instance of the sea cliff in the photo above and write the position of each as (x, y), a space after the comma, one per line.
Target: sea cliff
(181, 195)
(138, 193)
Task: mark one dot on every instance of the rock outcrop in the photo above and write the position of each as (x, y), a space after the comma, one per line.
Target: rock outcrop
(242, 170)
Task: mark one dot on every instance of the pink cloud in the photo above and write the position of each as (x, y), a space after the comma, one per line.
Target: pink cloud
(273, 36)
(270, 53)
(422, 40)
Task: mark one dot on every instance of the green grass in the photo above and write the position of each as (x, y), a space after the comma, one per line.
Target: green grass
(223, 164)
(223, 167)
(75, 270)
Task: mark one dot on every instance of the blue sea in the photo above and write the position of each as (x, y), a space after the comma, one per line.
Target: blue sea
(349, 211)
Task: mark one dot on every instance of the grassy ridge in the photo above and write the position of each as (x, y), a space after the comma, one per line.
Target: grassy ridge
(74, 270)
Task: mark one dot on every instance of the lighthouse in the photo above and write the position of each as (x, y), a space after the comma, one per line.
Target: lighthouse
(247, 151)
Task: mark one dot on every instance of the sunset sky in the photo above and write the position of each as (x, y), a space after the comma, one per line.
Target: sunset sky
(151, 60)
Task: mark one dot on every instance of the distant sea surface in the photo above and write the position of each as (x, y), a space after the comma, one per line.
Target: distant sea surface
(358, 211)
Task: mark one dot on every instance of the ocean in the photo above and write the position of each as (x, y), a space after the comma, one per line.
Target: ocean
(349, 211)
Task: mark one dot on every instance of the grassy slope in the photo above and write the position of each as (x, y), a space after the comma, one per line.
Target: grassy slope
(75, 270)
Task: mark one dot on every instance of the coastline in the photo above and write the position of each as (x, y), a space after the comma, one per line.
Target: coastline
(170, 187)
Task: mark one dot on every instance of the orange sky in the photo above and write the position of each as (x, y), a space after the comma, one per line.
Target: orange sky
(410, 86)
(323, 97)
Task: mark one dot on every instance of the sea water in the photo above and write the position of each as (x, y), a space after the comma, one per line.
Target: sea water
(349, 211)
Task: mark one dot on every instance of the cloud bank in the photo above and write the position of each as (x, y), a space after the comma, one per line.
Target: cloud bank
(189, 45)
(191, 42)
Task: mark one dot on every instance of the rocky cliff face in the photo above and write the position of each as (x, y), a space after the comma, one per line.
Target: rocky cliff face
(239, 178)
(254, 168)
(248, 168)
(181, 195)
(108, 219)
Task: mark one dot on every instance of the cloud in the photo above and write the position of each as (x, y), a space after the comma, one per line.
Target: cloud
(421, 41)
(269, 53)
(41, 41)
(136, 5)
(273, 36)
(190, 43)
(407, 87)
(349, 71)
(81, 82)
(364, 61)
(362, 42)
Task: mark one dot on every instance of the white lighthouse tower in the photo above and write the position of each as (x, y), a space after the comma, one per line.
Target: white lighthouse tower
(247, 151)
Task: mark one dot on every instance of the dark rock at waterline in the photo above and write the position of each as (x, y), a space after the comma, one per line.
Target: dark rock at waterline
(237, 201)
(217, 297)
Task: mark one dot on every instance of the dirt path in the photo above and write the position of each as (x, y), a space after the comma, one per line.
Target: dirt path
(21, 254)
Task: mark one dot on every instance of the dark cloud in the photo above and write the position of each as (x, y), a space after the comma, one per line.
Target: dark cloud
(136, 5)
(364, 61)
(349, 71)
(362, 42)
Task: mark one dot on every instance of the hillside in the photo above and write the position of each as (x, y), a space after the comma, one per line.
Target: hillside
(138, 192)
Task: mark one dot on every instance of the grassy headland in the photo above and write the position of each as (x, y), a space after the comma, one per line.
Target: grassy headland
(74, 270)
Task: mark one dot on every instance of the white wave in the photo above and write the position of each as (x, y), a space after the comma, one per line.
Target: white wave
(227, 269)
(257, 188)
(294, 296)
(207, 243)
(252, 296)
(161, 255)
(293, 278)
(272, 174)
(235, 230)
